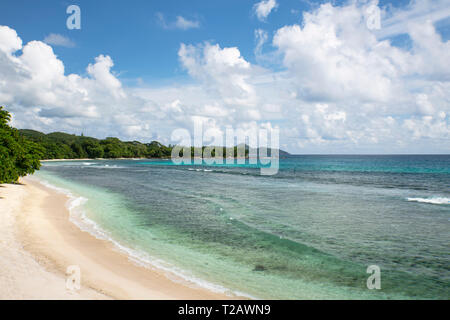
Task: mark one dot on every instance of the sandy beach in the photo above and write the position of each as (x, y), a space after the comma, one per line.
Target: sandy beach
(38, 243)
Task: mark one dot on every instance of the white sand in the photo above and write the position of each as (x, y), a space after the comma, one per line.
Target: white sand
(38, 243)
(21, 276)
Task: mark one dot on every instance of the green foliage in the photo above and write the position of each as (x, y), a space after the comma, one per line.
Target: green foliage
(20, 150)
(59, 145)
(18, 155)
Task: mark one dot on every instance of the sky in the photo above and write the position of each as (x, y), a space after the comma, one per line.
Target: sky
(356, 76)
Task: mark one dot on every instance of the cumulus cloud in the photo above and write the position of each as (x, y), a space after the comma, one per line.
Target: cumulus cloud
(339, 88)
(9, 41)
(335, 49)
(334, 58)
(59, 40)
(224, 71)
(34, 86)
(264, 8)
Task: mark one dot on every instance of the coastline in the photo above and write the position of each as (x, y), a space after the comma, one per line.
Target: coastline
(135, 159)
(98, 159)
(38, 236)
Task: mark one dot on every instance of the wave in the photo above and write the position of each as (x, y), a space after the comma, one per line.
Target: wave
(434, 200)
(87, 165)
(107, 166)
(198, 170)
(77, 215)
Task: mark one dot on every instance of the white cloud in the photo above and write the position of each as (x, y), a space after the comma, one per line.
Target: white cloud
(180, 22)
(429, 127)
(336, 50)
(183, 23)
(264, 8)
(397, 21)
(9, 41)
(341, 89)
(223, 71)
(59, 40)
(261, 38)
(34, 85)
(378, 91)
(105, 80)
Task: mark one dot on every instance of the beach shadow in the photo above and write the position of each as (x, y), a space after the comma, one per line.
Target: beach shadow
(14, 184)
(5, 184)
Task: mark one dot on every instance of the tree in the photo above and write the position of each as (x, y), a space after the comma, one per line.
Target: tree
(78, 150)
(60, 145)
(18, 155)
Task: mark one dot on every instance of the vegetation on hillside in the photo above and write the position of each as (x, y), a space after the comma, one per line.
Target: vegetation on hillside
(59, 145)
(21, 150)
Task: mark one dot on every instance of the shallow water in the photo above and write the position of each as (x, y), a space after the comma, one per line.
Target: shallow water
(310, 231)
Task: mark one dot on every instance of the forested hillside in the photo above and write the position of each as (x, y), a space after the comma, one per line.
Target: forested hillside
(59, 145)
(21, 150)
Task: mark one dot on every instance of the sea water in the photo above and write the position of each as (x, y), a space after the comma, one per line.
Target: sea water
(310, 231)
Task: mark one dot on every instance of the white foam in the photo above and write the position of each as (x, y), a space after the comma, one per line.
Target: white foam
(78, 217)
(434, 200)
(107, 166)
(198, 170)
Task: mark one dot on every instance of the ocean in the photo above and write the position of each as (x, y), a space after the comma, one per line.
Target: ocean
(309, 232)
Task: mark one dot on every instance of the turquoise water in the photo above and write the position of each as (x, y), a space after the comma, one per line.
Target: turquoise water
(310, 231)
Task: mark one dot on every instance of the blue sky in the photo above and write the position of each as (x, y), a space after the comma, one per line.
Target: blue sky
(130, 31)
(275, 85)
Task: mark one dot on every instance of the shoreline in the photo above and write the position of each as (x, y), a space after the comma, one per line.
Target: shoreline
(43, 233)
(22, 276)
(98, 159)
(135, 159)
